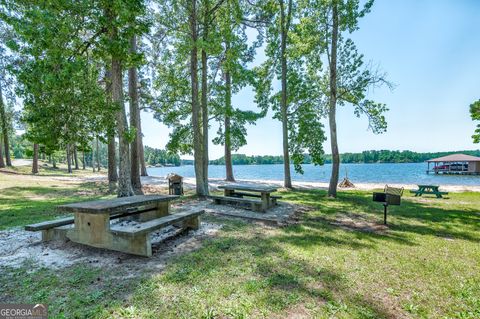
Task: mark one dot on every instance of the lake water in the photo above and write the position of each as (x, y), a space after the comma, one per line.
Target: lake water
(398, 173)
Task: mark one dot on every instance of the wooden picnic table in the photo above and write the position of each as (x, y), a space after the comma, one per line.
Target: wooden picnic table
(261, 191)
(92, 222)
(428, 189)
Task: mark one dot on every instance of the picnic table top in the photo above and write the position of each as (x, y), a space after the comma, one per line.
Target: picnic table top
(114, 204)
(251, 188)
(432, 186)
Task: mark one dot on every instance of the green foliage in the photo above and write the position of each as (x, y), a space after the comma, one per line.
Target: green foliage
(235, 54)
(305, 129)
(354, 77)
(475, 114)
(60, 48)
(242, 159)
(381, 156)
(155, 156)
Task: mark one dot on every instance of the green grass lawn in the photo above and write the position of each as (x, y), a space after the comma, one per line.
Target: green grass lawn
(336, 262)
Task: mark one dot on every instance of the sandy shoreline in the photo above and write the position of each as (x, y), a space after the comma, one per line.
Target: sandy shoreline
(189, 183)
(215, 182)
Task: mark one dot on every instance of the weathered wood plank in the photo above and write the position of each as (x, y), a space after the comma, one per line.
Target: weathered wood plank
(70, 220)
(115, 205)
(251, 188)
(151, 225)
(50, 224)
(255, 195)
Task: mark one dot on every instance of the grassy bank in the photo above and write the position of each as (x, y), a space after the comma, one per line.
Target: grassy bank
(337, 261)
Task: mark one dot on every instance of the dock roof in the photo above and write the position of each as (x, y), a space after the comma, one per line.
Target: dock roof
(456, 158)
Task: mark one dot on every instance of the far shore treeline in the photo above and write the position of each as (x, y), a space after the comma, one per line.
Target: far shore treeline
(160, 157)
(382, 156)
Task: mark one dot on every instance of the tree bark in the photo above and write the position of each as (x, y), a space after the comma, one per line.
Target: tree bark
(204, 103)
(35, 159)
(141, 150)
(332, 188)
(228, 140)
(3, 119)
(197, 126)
(2, 163)
(98, 154)
(111, 150)
(93, 156)
(124, 181)
(75, 156)
(112, 160)
(284, 21)
(134, 122)
(69, 159)
(54, 162)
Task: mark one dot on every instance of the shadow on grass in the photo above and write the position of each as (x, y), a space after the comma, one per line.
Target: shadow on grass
(260, 273)
(428, 217)
(20, 206)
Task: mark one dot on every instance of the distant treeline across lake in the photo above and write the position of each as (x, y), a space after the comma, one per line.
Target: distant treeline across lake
(382, 156)
(385, 173)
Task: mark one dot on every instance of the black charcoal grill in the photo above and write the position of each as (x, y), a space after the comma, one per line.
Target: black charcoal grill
(390, 196)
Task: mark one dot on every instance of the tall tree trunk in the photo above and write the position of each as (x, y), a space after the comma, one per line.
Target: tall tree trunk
(35, 159)
(196, 115)
(124, 181)
(205, 97)
(54, 162)
(111, 150)
(228, 114)
(285, 22)
(124, 187)
(141, 150)
(332, 188)
(134, 121)
(2, 163)
(98, 154)
(69, 158)
(75, 156)
(83, 159)
(3, 123)
(93, 156)
(112, 162)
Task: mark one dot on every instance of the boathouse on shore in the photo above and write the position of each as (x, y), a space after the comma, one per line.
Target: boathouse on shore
(455, 164)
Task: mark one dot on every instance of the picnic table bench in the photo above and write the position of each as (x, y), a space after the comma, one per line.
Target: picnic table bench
(90, 224)
(428, 189)
(261, 199)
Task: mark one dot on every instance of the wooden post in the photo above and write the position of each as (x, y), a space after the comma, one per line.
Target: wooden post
(385, 214)
(265, 201)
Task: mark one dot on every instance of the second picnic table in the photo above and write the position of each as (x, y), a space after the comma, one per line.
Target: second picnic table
(428, 189)
(234, 193)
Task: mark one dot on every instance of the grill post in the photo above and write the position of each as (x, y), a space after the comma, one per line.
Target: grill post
(385, 213)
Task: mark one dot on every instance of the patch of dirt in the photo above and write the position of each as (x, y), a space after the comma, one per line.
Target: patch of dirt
(282, 214)
(296, 312)
(357, 222)
(19, 246)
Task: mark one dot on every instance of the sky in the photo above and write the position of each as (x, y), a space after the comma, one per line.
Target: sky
(428, 48)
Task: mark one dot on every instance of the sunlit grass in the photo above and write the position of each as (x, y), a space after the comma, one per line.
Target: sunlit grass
(424, 265)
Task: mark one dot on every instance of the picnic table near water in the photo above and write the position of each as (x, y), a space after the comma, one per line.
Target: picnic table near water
(428, 189)
(91, 222)
(260, 199)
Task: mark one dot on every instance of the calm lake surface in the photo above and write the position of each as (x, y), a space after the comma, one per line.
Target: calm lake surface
(401, 173)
